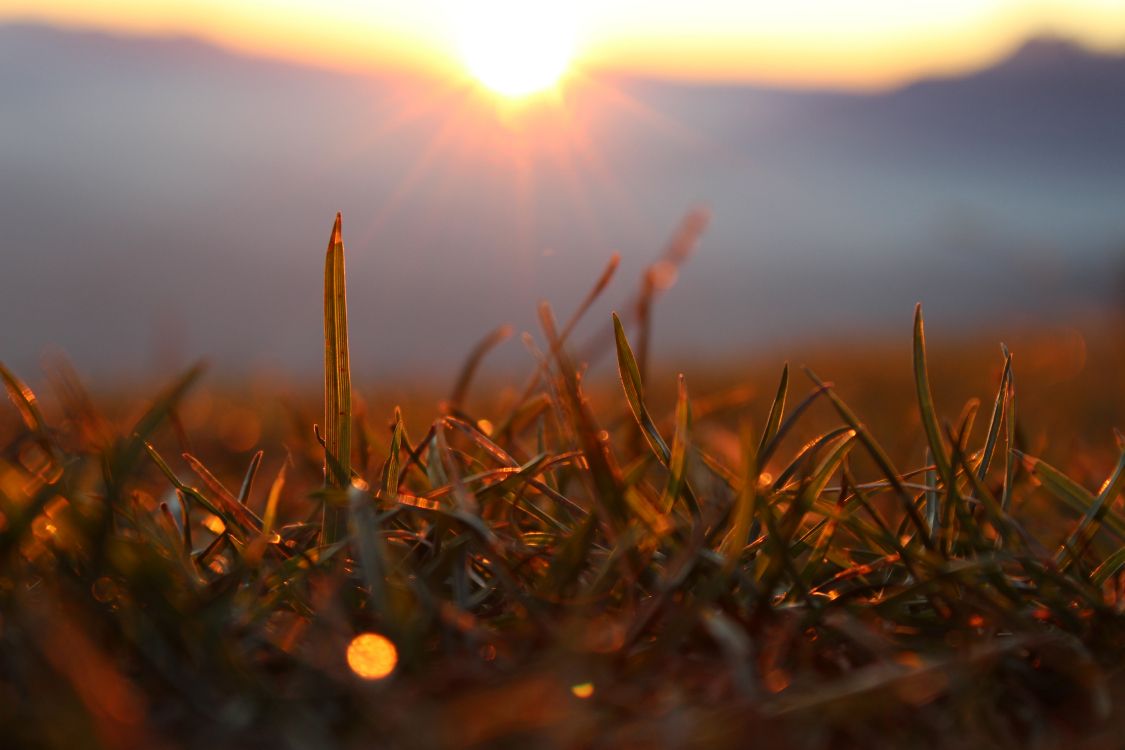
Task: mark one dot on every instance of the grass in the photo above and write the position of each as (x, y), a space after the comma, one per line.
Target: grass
(563, 572)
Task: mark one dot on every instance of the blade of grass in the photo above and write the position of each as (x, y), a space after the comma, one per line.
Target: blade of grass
(634, 393)
(777, 411)
(743, 513)
(1010, 461)
(1073, 494)
(1084, 532)
(24, 400)
(998, 413)
(677, 463)
(882, 460)
(337, 386)
(926, 406)
(248, 479)
(603, 473)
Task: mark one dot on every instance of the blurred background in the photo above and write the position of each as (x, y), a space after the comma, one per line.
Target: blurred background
(169, 174)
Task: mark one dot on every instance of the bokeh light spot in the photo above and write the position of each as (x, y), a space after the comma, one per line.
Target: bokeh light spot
(371, 656)
(582, 690)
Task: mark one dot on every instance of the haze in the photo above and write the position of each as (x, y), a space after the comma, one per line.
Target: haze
(163, 197)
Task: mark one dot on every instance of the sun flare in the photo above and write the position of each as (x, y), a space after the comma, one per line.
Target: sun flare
(517, 47)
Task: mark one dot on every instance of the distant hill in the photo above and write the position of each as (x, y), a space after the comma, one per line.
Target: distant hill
(156, 189)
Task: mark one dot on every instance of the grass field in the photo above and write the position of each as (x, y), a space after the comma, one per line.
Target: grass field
(552, 563)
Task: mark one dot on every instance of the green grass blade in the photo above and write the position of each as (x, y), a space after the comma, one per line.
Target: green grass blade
(1010, 461)
(742, 516)
(882, 460)
(1109, 567)
(926, 401)
(777, 411)
(998, 413)
(932, 496)
(677, 464)
(634, 393)
(603, 475)
(269, 516)
(1088, 525)
(1075, 496)
(337, 385)
(393, 466)
(248, 479)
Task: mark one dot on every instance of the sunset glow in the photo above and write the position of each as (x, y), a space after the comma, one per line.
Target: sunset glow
(516, 48)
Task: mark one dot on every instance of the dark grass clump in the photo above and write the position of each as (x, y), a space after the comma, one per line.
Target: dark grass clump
(553, 575)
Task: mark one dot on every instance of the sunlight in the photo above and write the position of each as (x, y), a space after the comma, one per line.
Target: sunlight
(516, 48)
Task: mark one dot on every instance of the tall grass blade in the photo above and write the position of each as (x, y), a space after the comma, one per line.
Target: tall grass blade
(926, 401)
(882, 460)
(777, 411)
(337, 387)
(677, 463)
(998, 414)
(634, 393)
(248, 479)
(1010, 460)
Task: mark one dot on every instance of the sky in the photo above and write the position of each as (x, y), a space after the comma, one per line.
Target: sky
(838, 43)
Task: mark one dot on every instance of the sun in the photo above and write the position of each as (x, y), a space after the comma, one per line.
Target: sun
(516, 47)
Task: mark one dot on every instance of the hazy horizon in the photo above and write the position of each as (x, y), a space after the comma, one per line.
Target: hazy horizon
(173, 191)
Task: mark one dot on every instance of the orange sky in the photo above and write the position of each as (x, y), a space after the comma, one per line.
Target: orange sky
(856, 43)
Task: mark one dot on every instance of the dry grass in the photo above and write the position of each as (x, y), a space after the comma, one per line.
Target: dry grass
(630, 570)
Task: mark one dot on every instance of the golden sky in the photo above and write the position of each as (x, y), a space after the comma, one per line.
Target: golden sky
(846, 43)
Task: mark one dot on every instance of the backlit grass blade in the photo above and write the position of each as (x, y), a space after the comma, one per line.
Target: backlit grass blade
(269, 516)
(1109, 567)
(1088, 525)
(791, 420)
(229, 502)
(1010, 462)
(337, 386)
(248, 479)
(603, 473)
(742, 516)
(777, 411)
(804, 455)
(187, 490)
(998, 413)
(634, 393)
(817, 480)
(926, 401)
(28, 406)
(677, 463)
(391, 469)
(24, 399)
(1076, 496)
(932, 496)
(882, 460)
